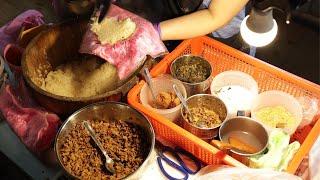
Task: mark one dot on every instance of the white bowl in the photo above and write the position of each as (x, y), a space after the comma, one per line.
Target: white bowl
(245, 89)
(162, 83)
(278, 98)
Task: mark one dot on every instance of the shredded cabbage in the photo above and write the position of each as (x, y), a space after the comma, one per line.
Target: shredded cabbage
(279, 152)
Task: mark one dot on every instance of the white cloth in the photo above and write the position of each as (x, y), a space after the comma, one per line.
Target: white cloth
(153, 170)
(247, 174)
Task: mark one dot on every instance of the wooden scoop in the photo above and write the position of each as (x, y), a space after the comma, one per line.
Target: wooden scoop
(235, 143)
(243, 146)
(26, 36)
(221, 145)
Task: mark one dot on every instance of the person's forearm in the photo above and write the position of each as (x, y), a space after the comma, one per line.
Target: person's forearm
(201, 22)
(196, 24)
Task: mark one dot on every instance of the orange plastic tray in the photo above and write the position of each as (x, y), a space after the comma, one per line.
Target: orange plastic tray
(224, 58)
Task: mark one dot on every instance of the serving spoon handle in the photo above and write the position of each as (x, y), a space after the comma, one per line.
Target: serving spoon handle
(183, 101)
(109, 162)
(148, 80)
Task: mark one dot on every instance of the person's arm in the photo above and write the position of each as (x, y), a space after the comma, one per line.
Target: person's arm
(202, 22)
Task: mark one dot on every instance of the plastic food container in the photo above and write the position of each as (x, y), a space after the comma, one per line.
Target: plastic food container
(310, 109)
(278, 98)
(162, 83)
(243, 89)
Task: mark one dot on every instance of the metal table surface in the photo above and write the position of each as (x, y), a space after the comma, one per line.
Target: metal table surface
(14, 149)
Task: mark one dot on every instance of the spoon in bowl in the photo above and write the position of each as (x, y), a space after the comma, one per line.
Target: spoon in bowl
(109, 162)
(182, 100)
(147, 77)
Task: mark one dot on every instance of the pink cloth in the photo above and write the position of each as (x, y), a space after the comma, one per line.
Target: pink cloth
(35, 126)
(126, 55)
(9, 33)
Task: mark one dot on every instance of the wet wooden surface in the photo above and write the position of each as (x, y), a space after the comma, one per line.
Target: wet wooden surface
(11, 8)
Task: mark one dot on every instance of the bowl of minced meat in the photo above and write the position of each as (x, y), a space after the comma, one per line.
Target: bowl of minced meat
(206, 114)
(126, 135)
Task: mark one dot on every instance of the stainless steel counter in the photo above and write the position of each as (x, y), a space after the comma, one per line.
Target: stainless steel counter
(14, 149)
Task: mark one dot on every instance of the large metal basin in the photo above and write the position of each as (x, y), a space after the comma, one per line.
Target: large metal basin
(53, 47)
(109, 111)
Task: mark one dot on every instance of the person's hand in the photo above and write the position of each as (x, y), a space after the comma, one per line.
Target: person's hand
(85, 8)
(81, 7)
(103, 6)
(70, 8)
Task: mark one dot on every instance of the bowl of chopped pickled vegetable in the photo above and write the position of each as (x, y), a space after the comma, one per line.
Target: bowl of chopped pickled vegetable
(194, 72)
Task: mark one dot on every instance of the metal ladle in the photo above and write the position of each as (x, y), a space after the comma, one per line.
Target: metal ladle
(109, 162)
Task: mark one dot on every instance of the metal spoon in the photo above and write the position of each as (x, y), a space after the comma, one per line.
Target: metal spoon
(109, 162)
(182, 100)
(147, 76)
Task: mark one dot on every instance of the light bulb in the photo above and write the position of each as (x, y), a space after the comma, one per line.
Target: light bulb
(257, 39)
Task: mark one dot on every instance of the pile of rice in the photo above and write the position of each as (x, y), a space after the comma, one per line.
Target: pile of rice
(111, 30)
(81, 79)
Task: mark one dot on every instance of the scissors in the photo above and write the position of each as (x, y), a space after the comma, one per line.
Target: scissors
(181, 165)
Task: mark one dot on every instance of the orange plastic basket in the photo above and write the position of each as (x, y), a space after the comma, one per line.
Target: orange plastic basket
(224, 58)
